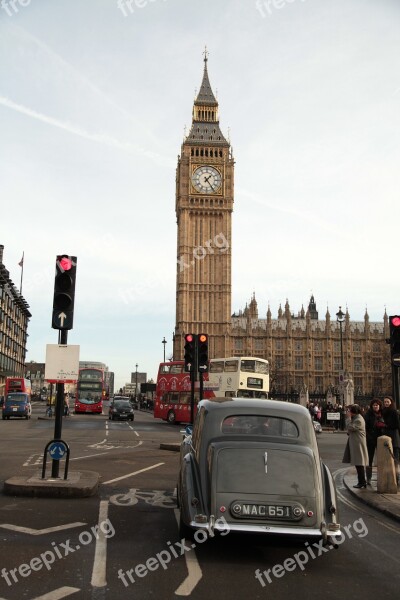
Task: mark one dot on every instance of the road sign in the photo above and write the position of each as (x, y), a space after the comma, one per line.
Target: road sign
(62, 363)
(332, 416)
(57, 450)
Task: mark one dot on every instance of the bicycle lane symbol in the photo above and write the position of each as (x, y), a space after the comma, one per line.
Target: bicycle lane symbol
(159, 498)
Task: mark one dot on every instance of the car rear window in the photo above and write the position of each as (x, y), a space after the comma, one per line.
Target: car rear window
(14, 399)
(260, 425)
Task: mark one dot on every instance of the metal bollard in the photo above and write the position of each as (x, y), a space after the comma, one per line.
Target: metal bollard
(387, 483)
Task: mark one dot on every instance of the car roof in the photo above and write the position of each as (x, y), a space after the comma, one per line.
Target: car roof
(253, 405)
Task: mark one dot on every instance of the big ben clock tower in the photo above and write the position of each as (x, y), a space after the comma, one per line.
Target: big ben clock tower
(204, 204)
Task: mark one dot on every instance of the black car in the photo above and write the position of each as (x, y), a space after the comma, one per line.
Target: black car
(121, 409)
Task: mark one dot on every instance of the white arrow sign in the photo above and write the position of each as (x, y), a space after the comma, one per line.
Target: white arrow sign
(62, 316)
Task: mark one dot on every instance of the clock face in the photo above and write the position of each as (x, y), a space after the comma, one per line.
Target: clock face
(206, 180)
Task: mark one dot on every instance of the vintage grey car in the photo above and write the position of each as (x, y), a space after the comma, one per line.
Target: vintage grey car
(256, 464)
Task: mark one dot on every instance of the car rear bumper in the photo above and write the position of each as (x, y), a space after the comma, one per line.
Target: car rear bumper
(266, 529)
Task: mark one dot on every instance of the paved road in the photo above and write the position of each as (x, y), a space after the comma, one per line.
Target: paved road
(93, 548)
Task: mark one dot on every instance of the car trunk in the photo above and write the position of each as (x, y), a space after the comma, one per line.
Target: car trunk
(263, 483)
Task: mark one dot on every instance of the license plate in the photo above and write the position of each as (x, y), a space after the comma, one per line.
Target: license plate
(245, 510)
(15, 409)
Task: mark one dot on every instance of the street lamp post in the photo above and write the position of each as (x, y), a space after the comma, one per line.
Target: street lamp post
(163, 343)
(136, 384)
(340, 318)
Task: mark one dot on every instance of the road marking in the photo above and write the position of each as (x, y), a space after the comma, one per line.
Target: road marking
(136, 433)
(30, 531)
(37, 461)
(135, 473)
(109, 446)
(61, 592)
(194, 571)
(89, 456)
(100, 553)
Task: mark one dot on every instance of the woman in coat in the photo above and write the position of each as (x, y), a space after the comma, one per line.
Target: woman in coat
(356, 451)
(374, 427)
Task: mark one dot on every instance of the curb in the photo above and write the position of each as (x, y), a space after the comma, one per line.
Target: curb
(80, 484)
(388, 504)
(173, 447)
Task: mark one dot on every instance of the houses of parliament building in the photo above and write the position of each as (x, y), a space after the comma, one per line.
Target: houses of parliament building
(305, 351)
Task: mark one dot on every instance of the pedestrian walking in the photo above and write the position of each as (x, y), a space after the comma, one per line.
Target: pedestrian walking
(374, 427)
(66, 405)
(356, 452)
(392, 429)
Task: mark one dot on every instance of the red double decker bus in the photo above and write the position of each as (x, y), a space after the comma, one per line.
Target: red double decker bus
(233, 377)
(90, 391)
(172, 401)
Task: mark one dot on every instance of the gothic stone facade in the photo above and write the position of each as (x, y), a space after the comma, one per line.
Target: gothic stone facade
(305, 351)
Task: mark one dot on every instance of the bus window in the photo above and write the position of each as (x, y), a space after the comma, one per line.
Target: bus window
(174, 397)
(176, 369)
(247, 365)
(261, 367)
(231, 366)
(216, 366)
(230, 395)
(164, 369)
(184, 399)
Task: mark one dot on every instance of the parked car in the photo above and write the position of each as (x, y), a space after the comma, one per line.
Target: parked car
(317, 427)
(17, 405)
(256, 464)
(121, 408)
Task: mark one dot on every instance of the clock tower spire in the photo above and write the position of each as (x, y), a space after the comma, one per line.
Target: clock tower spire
(204, 205)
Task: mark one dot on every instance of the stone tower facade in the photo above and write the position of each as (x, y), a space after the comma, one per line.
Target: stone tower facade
(204, 205)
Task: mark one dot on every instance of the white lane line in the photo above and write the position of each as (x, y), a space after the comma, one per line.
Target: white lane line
(61, 592)
(136, 433)
(107, 428)
(89, 456)
(194, 571)
(100, 554)
(40, 531)
(135, 473)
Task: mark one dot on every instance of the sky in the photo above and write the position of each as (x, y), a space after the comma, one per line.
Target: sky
(94, 100)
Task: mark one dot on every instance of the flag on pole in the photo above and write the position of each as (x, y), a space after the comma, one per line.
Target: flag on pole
(21, 262)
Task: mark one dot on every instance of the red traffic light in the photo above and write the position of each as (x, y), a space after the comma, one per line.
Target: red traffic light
(395, 321)
(189, 338)
(65, 263)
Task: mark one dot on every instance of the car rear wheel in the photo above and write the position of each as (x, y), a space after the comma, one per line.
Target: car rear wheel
(171, 417)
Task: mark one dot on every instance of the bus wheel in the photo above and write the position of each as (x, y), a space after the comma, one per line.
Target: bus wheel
(171, 417)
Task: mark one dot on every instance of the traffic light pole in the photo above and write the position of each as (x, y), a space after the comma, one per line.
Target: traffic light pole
(192, 382)
(55, 466)
(396, 391)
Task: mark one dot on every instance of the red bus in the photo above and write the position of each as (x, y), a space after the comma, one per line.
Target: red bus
(233, 377)
(172, 401)
(18, 384)
(90, 391)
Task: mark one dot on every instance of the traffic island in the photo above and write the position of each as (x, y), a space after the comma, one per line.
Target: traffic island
(79, 484)
(170, 446)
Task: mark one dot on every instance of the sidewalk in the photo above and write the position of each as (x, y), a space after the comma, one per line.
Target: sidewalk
(389, 504)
